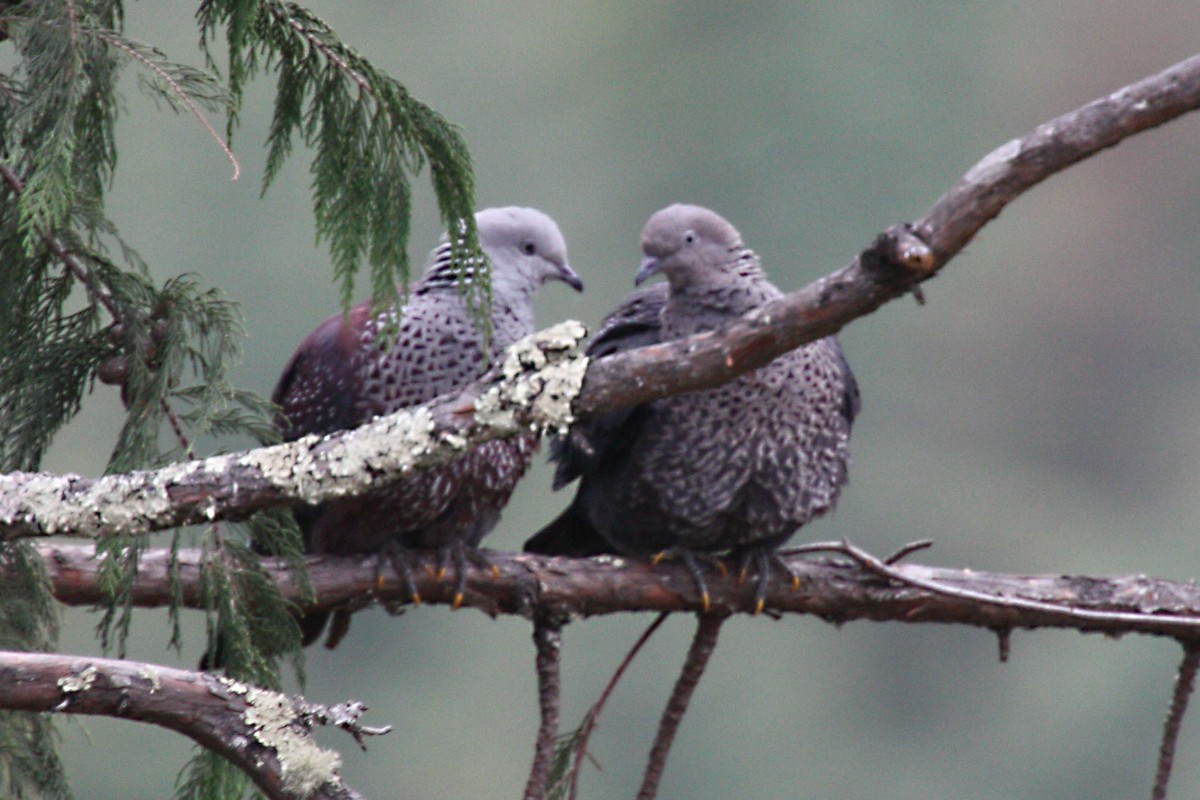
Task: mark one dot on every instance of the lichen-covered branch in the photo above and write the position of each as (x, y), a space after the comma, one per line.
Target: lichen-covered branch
(264, 733)
(532, 388)
(543, 383)
(839, 589)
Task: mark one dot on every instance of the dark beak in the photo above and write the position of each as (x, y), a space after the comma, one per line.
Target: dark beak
(570, 277)
(650, 266)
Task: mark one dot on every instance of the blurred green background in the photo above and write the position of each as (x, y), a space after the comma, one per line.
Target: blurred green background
(1039, 415)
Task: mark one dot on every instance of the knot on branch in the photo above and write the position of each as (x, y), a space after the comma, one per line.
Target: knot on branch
(540, 377)
(898, 254)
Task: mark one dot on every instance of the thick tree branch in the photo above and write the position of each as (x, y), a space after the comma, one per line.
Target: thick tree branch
(542, 385)
(853, 586)
(541, 395)
(266, 734)
(532, 388)
(900, 258)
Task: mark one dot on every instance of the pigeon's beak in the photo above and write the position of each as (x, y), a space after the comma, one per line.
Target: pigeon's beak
(570, 277)
(650, 266)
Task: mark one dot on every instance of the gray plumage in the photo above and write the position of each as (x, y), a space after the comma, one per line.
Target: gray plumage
(345, 374)
(739, 467)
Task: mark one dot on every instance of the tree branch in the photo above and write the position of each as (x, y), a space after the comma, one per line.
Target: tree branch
(1185, 683)
(708, 626)
(56, 246)
(542, 384)
(266, 734)
(855, 586)
(547, 638)
(532, 388)
(900, 258)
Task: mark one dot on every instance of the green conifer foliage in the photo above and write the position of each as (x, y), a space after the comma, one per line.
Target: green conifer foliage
(77, 303)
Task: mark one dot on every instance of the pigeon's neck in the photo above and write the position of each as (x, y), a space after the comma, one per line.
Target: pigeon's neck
(445, 273)
(512, 300)
(698, 309)
(512, 321)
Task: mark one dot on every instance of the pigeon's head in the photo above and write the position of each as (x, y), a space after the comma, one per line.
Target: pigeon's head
(693, 246)
(526, 249)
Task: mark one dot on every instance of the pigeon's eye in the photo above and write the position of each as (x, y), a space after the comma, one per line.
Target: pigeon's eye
(689, 237)
(528, 248)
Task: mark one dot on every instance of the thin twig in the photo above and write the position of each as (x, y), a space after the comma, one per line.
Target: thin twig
(73, 26)
(703, 645)
(898, 574)
(593, 715)
(266, 734)
(348, 717)
(179, 92)
(84, 276)
(907, 550)
(1003, 644)
(1184, 685)
(547, 638)
(326, 50)
(177, 428)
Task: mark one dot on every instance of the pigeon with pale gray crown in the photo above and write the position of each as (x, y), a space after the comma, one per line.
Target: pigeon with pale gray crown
(737, 468)
(361, 365)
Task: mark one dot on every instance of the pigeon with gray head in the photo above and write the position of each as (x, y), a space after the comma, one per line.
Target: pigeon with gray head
(737, 468)
(355, 367)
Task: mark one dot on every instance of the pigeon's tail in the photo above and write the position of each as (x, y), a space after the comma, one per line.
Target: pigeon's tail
(570, 534)
(312, 625)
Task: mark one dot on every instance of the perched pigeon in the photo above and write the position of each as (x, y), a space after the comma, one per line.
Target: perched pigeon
(346, 373)
(739, 467)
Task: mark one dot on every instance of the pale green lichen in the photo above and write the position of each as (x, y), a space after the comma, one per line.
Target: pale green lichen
(24, 495)
(304, 767)
(454, 440)
(287, 464)
(392, 443)
(229, 685)
(124, 503)
(80, 681)
(543, 373)
(150, 673)
(71, 504)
